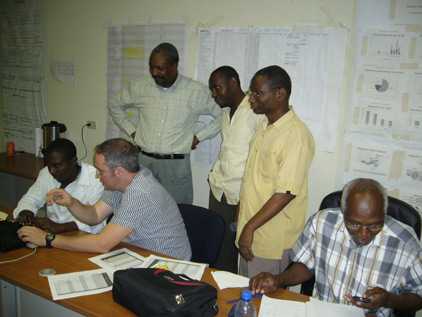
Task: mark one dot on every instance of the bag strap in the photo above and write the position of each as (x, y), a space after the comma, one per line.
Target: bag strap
(177, 279)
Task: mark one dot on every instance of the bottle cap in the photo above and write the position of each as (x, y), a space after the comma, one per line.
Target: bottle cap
(246, 295)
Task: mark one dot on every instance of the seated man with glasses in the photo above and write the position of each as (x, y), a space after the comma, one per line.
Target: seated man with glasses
(356, 250)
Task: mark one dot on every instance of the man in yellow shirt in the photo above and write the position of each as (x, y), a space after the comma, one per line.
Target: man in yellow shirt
(274, 194)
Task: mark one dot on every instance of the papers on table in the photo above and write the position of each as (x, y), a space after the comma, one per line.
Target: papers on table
(123, 259)
(227, 279)
(79, 284)
(271, 307)
(97, 281)
(192, 269)
(118, 260)
(317, 308)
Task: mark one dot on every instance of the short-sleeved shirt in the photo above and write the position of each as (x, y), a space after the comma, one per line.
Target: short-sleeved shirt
(279, 159)
(152, 214)
(392, 260)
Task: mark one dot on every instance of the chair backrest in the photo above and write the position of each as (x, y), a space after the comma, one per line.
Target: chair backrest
(205, 229)
(397, 209)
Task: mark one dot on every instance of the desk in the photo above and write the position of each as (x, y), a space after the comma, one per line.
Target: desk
(17, 174)
(24, 165)
(24, 274)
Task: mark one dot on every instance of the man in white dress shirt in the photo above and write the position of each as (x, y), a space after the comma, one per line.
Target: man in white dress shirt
(62, 171)
(238, 126)
(168, 105)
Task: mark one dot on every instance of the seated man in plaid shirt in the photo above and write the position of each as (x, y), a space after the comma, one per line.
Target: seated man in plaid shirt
(356, 250)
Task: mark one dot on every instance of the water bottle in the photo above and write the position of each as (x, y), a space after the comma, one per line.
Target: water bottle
(245, 307)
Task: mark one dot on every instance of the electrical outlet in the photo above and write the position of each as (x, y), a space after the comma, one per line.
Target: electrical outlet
(91, 125)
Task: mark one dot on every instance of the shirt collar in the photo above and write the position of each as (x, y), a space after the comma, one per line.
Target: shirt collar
(172, 87)
(83, 177)
(288, 116)
(245, 102)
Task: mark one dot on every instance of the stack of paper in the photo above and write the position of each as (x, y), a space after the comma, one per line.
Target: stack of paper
(271, 307)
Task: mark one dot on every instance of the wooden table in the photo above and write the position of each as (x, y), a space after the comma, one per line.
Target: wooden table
(24, 274)
(17, 174)
(21, 164)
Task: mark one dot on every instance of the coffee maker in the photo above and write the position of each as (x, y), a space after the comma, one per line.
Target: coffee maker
(50, 132)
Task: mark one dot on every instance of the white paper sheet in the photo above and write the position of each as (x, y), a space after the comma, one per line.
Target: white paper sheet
(271, 307)
(77, 284)
(314, 59)
(118, 260)
(317, 308)
(227, 279)
(191, 269)
(23, 107)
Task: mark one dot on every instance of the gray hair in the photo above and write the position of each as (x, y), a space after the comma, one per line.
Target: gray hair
(363, 185)
(119, 152)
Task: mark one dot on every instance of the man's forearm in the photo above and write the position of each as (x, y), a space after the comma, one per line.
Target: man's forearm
(271, 208)
(84, 213)
(296, 274)
(85, 243)
(65, 227)
(407, 301)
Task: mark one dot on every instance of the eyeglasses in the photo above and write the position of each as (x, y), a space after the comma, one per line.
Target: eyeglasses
(375, 227)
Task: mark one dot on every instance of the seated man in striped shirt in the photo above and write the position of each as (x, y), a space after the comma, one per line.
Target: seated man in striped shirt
(144, 214)
(357, 250)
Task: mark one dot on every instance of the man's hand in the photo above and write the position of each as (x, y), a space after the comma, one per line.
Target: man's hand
(263, 283)
(25, 217)
(33, 235)
(46, 224)
(195, 142)
(378, 297)
(60, 197)
(245, 243)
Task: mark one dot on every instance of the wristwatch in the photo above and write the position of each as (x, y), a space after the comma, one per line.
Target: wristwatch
(48, 239)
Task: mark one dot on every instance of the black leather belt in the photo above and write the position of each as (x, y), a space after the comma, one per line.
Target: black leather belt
(164, 156)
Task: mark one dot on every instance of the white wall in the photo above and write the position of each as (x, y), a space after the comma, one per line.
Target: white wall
(77, 31)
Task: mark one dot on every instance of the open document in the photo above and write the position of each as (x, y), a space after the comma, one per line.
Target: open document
(77, 284)
(271, 307)
(118, 260)
(192, 269)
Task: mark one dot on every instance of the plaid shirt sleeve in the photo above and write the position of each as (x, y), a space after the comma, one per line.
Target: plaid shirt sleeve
(304, 249)
(412, 279)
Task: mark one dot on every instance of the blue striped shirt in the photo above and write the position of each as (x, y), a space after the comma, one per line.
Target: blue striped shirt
(152, 214)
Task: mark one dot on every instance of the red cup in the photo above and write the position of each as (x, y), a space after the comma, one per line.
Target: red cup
(10, 149)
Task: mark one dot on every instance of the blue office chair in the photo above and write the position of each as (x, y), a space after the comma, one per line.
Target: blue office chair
(397, 209)
(205, 229)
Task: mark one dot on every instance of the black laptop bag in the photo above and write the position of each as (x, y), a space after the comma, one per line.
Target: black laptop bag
(9, 239)
(158, 293)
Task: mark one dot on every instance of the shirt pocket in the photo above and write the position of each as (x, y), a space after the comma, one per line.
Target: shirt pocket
(269, 164)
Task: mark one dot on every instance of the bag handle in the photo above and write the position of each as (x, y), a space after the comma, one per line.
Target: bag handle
(178, 279)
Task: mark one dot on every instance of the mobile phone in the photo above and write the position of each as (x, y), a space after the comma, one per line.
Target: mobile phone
(361, 299)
